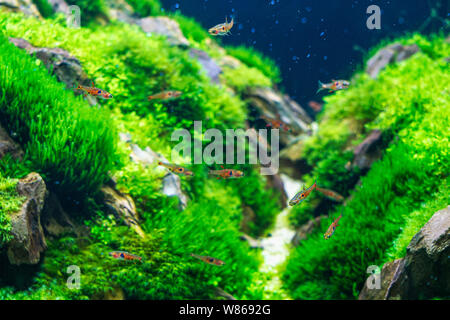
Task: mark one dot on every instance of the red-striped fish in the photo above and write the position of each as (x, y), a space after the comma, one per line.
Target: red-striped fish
(165, 95)
(122, 255)
(176, 169)
(209, 260)
(226, 173)
(95, 92)
(302, 195)
(332, 228)
(222, 29)
(335, 85)
(276, 123)
(331, 194)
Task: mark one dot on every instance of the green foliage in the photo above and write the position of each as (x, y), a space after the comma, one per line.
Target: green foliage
(90, 9)
(132, 65)
(76, 151)
(12, 168)
(126, 65)
(397, 195)
(263, 201)
(44, 8)
(417, 219)
(254, 59)
(10, 202)
(191, 29)
(243, 77)
(145, 8)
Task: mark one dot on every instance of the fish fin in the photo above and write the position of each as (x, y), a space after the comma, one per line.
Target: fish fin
(320, 87)
(93, 84)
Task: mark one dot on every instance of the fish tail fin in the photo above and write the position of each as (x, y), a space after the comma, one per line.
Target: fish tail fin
(321, 87)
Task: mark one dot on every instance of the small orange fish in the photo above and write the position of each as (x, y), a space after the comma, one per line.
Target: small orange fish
(302, 195)
(331, 194)
(227, 173)
(122, 255)
(209, 260)
(335, 85)
(222, 29)
(176, 169)
(165, 95)
(276, 123)
(95, 92)
(332, 228)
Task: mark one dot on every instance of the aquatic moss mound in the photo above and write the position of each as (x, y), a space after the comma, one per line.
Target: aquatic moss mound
(132, 65)
(70, 143)
(10, 202)
(407, 101)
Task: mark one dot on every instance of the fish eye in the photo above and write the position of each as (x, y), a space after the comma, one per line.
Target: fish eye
(99, 91)
(211, 260)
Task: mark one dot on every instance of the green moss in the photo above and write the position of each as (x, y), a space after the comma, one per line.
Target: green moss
(417, 219)
(191, 29)
(145, 8)
(243, 77)
(90, 9)
(44, 8)
(10, 202)
(126, 65)
(397, 195)
(66, 153)
(254, 59)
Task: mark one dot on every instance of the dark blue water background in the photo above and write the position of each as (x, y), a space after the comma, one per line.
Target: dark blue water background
(311, 40)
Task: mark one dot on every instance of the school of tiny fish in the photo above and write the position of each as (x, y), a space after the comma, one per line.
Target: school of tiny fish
(224, 29)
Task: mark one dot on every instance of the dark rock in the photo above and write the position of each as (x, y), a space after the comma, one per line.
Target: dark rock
(275, 182)
(368, 151)
(392, 53)
(304, 231)
(427, 258)
(28, 240)
(271, 104)
(25, 6)
(425, 271)
(248, 216)
(122, 207)
(166, 27)
(253, 243)
(60, 6)
(210, 67)
(8, 146)
(56, 222)
(391, 270)
(61, 63)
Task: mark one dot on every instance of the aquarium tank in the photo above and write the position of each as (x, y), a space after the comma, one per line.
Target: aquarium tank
(195, 150)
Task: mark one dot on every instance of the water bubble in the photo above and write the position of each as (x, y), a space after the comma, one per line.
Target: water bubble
(304, 20)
